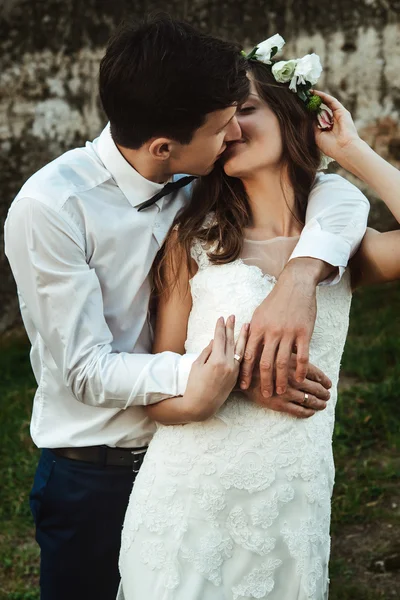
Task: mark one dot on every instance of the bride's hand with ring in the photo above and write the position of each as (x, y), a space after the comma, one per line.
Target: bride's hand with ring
(212, 378)
(300, 400)
(215, 372)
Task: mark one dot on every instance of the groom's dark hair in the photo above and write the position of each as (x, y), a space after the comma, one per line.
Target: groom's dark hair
(161, 77)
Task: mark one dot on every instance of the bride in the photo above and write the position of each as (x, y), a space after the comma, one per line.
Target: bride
(233, 500)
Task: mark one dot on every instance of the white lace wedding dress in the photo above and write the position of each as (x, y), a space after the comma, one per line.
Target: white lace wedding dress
(238, 507)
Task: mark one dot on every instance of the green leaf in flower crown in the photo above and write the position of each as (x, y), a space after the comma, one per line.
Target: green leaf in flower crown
(302, 95)
(274, 51)
(252, 53)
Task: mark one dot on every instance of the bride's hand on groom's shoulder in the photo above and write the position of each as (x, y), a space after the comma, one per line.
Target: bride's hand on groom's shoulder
(215, 372)
(300, 399)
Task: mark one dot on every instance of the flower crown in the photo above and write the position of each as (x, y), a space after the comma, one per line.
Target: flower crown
(302, 73)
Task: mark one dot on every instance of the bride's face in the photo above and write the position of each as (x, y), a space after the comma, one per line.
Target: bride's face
(260, 146)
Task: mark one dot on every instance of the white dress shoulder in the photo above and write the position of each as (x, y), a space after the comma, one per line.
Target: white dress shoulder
(238, 507)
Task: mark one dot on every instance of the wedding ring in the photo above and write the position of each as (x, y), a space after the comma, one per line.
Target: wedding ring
(305, 401)
(238, 358)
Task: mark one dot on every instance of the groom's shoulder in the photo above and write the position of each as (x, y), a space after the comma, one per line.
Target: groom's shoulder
(331, 180)
(74, 172)
(333, 186)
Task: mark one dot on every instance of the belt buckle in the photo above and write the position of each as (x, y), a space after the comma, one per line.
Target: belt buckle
(136, 462)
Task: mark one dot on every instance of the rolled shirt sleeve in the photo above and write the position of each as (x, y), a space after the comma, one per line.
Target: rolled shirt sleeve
(63, 297)
(336, 221)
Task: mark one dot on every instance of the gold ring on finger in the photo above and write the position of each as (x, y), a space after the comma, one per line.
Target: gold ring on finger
(238, 358)
(305, 401)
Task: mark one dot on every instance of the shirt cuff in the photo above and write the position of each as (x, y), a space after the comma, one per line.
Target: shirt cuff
(334, 278)
(325, 246)
(185, 365)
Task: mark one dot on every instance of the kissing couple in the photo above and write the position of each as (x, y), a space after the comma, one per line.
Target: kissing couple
(187, 334)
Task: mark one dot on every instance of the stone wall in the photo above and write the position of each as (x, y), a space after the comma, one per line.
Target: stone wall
(50, 51)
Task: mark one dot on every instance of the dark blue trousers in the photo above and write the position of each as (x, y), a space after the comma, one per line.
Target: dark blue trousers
(79, 510)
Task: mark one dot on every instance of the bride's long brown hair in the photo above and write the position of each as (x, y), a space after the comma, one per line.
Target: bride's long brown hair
(226, 197)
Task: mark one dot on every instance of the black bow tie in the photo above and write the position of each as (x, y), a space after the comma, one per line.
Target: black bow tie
(167, 189)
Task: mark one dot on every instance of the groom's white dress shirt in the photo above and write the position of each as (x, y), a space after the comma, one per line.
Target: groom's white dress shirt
(81, 255)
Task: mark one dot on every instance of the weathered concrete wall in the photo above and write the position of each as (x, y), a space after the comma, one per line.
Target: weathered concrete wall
(50, 51)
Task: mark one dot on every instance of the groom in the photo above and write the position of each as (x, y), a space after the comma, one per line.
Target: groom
(81, 237)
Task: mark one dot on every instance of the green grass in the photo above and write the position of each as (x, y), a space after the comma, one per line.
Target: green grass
(365, 514)
(366, 444)
(373, 347)
(366, 439)
(18, 552)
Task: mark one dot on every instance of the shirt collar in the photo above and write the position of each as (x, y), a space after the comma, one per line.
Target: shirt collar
(132, 184)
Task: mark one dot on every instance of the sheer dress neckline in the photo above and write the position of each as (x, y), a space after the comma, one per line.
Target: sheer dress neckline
(278, 237)
(270, 256)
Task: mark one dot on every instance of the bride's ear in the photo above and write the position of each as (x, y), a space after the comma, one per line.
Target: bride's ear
(161, 148)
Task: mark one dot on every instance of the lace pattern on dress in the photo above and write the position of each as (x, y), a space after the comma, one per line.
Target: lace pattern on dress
(232, 506)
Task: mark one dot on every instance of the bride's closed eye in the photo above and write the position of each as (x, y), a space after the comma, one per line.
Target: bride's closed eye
(243, 110)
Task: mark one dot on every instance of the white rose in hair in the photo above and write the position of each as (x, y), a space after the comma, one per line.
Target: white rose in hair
(264, 50)
(283, 70)
(308, 70)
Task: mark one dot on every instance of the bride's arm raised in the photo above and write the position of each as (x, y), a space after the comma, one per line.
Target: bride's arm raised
(378, 259)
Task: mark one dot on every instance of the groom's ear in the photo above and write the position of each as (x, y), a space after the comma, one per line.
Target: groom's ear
(161, 148)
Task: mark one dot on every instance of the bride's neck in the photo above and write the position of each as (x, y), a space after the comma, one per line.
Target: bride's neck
(272, 203)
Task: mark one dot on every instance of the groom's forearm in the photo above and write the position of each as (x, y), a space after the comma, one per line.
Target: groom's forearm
(306, 270)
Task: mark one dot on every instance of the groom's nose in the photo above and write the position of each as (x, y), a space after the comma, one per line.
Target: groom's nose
(233, 132)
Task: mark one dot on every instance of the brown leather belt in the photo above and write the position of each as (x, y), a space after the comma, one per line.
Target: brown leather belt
(105, 456)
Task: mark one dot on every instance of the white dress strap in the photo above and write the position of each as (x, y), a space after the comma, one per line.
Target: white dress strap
(199, 251)
(199, 254)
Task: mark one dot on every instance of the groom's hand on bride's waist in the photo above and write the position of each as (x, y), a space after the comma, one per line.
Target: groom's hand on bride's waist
(300, 399)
